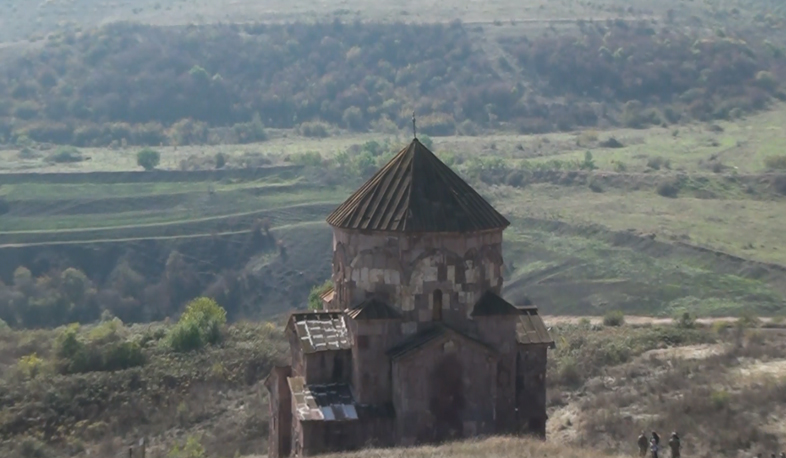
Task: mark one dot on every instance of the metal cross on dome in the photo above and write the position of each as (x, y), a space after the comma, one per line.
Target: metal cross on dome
(414, 127)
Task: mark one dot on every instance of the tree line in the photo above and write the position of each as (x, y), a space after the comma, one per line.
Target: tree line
(145, 85)
(147, 284)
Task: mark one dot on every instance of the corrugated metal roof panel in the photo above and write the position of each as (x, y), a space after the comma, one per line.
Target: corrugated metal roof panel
(322, 402)
(320, 331)
(416, 192)
(531, 329)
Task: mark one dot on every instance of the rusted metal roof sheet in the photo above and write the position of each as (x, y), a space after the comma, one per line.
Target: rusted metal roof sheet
(320, 331)
(373, 309)
(423, 338)
(492, 305)
(323, 402)
(531, 329)
(416, 192)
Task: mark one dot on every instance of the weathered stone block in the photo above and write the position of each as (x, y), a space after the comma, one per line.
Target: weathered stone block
(363, 277)
(376, 276)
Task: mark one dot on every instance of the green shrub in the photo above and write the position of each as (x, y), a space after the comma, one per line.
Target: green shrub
(105, 349)
(685, 321)
(589, 162)
(748, 319)
(66, 154)
(192, 448)
(595, 185)
(30, 366)
(720, 399)
(568, 372)
(614, 318)
(314, 301)
(122, 355)
(148, 158)
(668, 189)
(314, 129)
(656, 163)
(200, 325)
(250, 132)
(221, 160)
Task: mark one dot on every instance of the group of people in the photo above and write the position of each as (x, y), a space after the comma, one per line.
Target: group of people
(653, 444)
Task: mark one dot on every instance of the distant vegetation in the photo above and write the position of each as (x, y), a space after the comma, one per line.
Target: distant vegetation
(134, 84)
(147, 286)
(654, 75)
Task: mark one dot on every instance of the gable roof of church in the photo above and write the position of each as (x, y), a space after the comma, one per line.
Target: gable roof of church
(492, 305)
(372, 309)
(426, 336)
(416, 192)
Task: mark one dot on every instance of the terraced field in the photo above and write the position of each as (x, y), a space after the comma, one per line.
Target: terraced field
(582, 242)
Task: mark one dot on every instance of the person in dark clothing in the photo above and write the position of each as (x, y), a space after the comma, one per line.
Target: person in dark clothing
(674, 444)
(643, 444)
(656, 438)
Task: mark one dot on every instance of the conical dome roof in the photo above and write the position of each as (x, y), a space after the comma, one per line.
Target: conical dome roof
(416, 192)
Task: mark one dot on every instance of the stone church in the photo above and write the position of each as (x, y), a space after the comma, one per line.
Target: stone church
(415, 343)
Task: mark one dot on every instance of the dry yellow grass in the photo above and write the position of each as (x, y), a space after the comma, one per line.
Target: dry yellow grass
(495, 447)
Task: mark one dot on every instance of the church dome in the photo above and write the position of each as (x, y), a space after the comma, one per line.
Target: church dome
(416, 192)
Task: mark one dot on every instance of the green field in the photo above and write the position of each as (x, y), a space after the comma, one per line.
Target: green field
(582, 242)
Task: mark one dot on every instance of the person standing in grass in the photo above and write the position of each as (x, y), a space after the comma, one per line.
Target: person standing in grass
(654, 447)
(643, 443)
(674, 444)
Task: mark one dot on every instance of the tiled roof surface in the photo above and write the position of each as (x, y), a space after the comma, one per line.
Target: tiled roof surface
(373, 309)
(320, 331)
(531, 329)
(323, 402)
(492, 305)
(416, 192)
(422, 338)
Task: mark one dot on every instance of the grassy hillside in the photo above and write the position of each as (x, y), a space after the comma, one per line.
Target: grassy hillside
(24, 21)
(127, 83)
(717, 384)
(666, 220)
(53, 410)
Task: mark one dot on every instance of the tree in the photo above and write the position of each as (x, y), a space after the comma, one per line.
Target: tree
(589, 162)
(148, 158)
(221, 160)
(200, 325)
(314, 300)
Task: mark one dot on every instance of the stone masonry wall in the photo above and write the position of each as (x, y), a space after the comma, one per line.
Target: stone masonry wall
(531, 388)
(444, 391)
(328, 367)
(371, 379)
(499, 332)
(415, 272)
